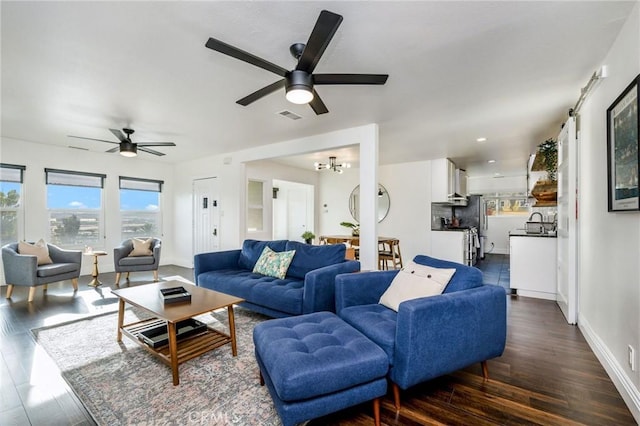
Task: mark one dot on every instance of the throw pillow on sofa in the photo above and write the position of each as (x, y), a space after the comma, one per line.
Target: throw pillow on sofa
(415, 281)
(141, 247)
(38, 249)
(252, 249)
(273, 264)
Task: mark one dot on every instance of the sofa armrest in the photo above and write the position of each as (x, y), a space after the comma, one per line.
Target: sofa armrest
(441, 334)
(157, 248)
(212, 261)
(319, 286)
(59, 255)
(364, 288)
(19, 269)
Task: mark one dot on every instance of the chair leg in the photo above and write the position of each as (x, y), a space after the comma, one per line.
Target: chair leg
(485, 370)
(118, 274)
(127, 277)
(9, 290)
(376, 411)
(261, 379)
(155, 275)
(45, 287)
(396, 396)
(32, 293)
(74, 283)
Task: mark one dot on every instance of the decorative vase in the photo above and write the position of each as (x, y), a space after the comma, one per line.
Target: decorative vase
(545, 193)
(308, 240)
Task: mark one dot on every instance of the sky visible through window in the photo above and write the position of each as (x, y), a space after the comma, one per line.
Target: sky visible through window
(75, 197)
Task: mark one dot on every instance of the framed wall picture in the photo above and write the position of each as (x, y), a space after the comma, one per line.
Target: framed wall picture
(623, 155)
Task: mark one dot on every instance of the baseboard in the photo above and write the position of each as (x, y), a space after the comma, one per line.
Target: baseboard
(627, 389)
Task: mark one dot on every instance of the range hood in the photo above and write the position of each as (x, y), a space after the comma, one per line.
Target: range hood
(454, 200)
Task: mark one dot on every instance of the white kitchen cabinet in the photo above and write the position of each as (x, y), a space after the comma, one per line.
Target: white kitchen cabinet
(533, 267)
(443, 180)
(448, 245)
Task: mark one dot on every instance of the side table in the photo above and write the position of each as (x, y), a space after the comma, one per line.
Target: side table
(95, 282)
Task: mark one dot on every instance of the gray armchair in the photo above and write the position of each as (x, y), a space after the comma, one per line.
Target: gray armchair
(23, 270)
(125, 263)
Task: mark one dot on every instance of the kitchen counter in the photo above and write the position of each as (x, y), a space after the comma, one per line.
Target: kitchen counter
(523, 233)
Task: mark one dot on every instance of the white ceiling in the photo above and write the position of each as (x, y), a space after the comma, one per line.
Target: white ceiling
(507, 71)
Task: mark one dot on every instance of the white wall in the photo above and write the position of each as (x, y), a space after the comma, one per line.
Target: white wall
(36, 157)
(234, 169)
(409, 187)
(498, 228)
(609, 243)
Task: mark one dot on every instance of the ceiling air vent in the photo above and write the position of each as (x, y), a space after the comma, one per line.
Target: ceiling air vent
(290, 115)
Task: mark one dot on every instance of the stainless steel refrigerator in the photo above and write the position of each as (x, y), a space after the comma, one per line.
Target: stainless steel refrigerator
(474, 215)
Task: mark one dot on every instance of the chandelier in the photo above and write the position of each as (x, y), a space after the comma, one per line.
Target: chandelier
(332, 165)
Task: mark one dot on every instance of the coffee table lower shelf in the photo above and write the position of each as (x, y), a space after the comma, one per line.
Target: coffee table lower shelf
(188, 348)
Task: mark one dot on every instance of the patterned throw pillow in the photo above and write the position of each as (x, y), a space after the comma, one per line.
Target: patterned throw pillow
(273, 264)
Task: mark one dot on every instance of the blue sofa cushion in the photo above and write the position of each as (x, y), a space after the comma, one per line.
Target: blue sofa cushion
(252, 249)
(136, 260)
(376, 322)
(280, 294)
(53, 269)
(316, 354)
(309, 257)
(466, 277)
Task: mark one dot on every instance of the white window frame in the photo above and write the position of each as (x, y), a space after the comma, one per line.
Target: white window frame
(141, 184)
(79, 179)
(15, 173)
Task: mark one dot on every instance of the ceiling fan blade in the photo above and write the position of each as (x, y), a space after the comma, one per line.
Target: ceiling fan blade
(117, 148)
(261, 93)
(350, 78)
(150, 151)
(91, 139)
(155, 144)
(326, 26)
(317, 105)
(118, 133)
(234, 52)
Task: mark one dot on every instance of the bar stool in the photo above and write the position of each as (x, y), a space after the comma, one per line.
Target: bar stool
(389, 252)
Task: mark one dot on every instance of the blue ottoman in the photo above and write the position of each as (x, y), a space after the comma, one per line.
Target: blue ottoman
(317, 364)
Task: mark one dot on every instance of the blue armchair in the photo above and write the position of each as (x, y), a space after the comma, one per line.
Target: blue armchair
(430, 336)
(125, 263)
(23, 270)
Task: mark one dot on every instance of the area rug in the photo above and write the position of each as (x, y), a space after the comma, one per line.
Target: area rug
(122, 384)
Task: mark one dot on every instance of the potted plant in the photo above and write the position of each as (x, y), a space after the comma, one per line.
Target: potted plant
(546, 191)
(308, 237)
(355, 228)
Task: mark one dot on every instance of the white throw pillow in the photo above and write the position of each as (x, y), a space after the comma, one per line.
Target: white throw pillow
(414, 281)
(141, 247)
(39, 249)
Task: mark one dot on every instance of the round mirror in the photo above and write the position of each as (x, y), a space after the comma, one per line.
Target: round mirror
(383, 203)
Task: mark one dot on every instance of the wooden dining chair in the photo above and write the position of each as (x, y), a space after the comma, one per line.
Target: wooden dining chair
(389, 256)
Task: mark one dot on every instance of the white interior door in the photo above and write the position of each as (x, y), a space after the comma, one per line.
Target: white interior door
(293, 210)
(206, 216)
(567, 287)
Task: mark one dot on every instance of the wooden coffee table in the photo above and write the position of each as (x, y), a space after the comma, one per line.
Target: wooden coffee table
(148, 298)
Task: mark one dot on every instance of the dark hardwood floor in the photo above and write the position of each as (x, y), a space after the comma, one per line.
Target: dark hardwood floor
(547, 375)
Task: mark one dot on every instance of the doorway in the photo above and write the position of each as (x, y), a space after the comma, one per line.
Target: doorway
(293, 210)
(206, 216)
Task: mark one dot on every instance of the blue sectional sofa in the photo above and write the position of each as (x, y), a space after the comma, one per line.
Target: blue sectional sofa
(309, 285)
(430, 336)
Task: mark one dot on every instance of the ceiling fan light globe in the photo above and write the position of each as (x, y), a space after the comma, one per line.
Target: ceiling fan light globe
(128, 154)
(128, 149)
(299, 96)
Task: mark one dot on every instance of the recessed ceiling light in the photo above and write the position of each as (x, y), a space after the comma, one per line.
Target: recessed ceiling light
(481, 139)
(491, 161)
(497, 174)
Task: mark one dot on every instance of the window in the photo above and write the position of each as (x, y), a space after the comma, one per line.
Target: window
(74, 203)
(507, 205)
(140, 213)
(255, 206)
(11, 211)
